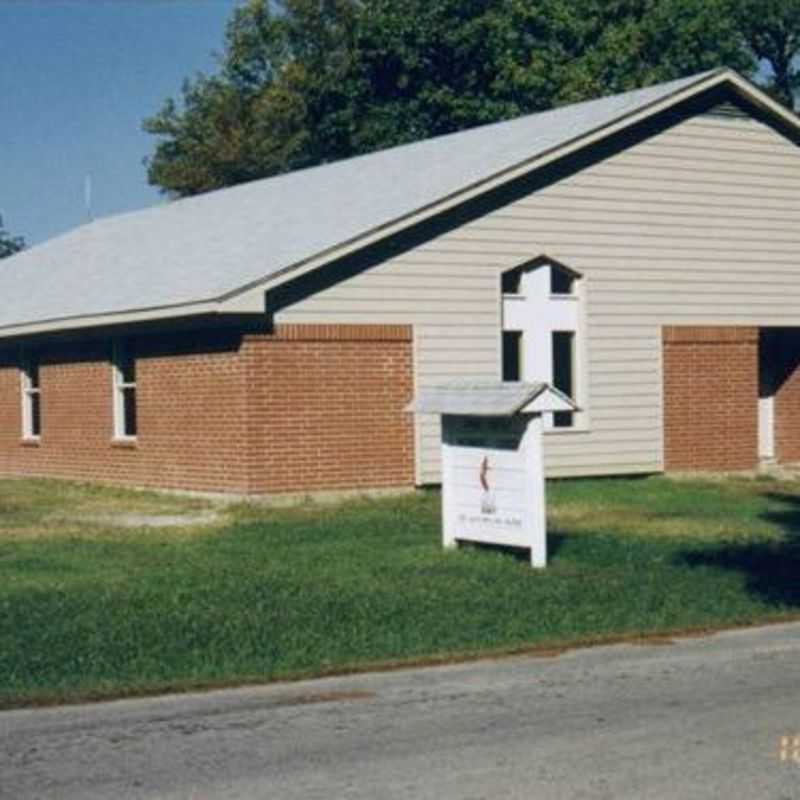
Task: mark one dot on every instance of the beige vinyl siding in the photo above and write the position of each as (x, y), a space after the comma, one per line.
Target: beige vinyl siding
(697, 225)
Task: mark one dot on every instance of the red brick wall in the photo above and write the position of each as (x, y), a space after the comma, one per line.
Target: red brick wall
(326, 407)
(306, 408)
(787, 397)
(787, 420)
(710, 398)
(190, 403)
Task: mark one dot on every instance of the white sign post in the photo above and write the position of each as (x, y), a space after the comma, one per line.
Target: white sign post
(493, 488)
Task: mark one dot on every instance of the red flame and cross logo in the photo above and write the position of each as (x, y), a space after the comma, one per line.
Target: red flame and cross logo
(488, 504)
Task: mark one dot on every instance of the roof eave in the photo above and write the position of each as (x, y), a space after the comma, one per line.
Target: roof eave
(211, 308)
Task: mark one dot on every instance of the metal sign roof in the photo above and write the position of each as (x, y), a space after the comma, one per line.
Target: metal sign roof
(494, 399)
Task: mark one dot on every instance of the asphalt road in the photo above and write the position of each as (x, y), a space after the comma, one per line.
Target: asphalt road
(700, 718)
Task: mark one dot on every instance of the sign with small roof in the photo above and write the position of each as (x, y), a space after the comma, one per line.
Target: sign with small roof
(493, 488)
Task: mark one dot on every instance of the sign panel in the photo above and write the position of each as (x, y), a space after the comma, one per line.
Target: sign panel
(492, 472)
(493, 486)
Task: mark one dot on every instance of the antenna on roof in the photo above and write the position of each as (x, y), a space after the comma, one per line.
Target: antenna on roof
(87, 196)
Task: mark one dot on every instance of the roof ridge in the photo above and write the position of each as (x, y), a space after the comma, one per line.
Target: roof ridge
(685, 81)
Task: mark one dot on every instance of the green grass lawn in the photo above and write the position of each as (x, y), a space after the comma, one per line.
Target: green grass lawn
(92, 610)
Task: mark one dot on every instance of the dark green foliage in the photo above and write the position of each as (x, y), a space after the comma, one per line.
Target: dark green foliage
(771, 30)
(278, 593)
(309, 81)
(9, 244)
(272, 106)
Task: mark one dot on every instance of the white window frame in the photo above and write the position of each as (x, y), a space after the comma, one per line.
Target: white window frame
(119, 352)
(28, 392)
(537, 317)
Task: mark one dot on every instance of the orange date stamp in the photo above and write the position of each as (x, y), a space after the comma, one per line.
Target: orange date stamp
(790, 749)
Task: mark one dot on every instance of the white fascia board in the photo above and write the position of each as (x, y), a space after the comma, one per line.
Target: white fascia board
(512, 173)
(761, 99)
(121, 318)
(247, 303)
(244, 303)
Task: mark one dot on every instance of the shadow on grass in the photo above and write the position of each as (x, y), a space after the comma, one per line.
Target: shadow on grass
(771, 568)
(521, 554)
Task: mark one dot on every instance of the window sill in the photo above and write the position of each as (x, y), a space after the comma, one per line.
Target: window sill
(31, 442)
(125, 444)
(567, 431)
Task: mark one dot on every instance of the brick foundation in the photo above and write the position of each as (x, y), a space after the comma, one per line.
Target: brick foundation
(710, 398)
(305, 408)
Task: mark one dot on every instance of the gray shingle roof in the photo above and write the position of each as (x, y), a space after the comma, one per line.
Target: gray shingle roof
(480, 399)
(204, 247)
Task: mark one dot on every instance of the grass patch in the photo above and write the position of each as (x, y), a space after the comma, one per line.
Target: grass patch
(98, 611)
(33, 509)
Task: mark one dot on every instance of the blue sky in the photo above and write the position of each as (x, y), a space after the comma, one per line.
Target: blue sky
(76, 79)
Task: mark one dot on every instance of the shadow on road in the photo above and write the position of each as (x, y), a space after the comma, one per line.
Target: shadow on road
(772, 569)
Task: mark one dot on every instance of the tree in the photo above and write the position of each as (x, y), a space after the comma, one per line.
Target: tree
(771, 30)
(272, 106)
(627, 44)
(316, 80)
(9, 244)
(435, 66)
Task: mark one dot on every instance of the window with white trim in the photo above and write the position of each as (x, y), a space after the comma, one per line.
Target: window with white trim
(124, 378)
(31, 398)
(542, 320)
(512, 355)
(564, 373)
